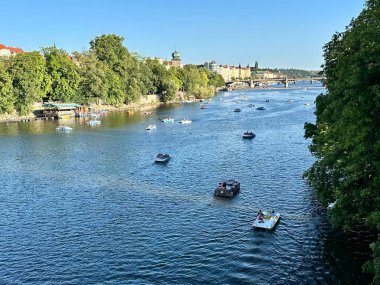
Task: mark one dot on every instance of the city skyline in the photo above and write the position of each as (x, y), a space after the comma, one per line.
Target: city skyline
(276, 34)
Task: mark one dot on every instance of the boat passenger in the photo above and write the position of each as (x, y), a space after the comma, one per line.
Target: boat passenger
(260, 218)
(272, 214)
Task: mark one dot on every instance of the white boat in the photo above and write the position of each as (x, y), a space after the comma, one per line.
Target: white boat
(64, 128)
(185, 121)
(168, 120)
(162, 157)
(267, 220)
(93, 122)
(151, 127)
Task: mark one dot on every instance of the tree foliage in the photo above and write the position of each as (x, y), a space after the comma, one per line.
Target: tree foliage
(64, 74)
(107, 73)
(346, 136)
(30, 80)
(7, 99)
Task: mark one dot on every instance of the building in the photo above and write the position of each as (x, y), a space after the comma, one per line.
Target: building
(8, 51)
(62, 110)
(175, 62)
(265, 74)
(229, 72)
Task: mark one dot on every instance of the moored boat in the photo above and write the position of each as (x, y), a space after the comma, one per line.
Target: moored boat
(248, 135)
(228, 188)
(93, 122)
(162, 157)
(266, 220)
(64, 128)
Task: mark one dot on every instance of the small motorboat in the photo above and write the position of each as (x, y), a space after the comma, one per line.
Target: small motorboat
(248, 135)
(203, 107)
(228, 188)
(251, 105)
(151, 127)
(307, 104)
(266, 220)
(267, 100)
(162, 157)
(64, 128)
(168, 120)
(93, 122)
(261, 108)
(237, 110)
(185, 121)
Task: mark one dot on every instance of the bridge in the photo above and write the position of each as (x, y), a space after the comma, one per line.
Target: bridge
(284, 80)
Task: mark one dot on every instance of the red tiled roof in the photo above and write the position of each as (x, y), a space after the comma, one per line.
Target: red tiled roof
(12, 49)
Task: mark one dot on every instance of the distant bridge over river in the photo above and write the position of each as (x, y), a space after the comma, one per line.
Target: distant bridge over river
(282, 80)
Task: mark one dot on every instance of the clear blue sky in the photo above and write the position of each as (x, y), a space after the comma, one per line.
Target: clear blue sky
(276, 33)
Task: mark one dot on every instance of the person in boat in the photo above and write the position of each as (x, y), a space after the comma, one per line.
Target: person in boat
(272, 214)
(260, 217)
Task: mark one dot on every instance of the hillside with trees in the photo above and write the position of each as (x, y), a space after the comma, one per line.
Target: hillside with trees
(346, 135)
(296, 73)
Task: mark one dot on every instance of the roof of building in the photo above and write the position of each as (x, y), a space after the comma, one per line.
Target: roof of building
(11, 49)
(61, 106)
(176, 55)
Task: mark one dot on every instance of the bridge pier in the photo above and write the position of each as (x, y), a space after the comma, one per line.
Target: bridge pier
(286, 83)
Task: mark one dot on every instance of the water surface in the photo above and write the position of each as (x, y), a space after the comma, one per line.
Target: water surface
(91, 207)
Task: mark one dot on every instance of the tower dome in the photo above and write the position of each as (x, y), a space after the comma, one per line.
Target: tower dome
(176, 55)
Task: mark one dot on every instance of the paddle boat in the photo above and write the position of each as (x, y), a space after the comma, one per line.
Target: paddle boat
(266, 220)
(227, 188)
(162, 158)
(185, 121)
(248, 135)
(168, 120)
(93, 122)
(151, 127)
(64, 128)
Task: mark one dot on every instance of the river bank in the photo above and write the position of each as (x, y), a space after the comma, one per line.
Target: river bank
(150, 102)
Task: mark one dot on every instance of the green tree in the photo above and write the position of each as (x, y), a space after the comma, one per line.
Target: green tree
(216, 80)
(7, 98)
(30, 80)
(64, 74)
(110, 50)
(346, 136)
(93, 78)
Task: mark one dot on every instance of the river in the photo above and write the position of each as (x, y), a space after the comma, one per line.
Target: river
(92, 207)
